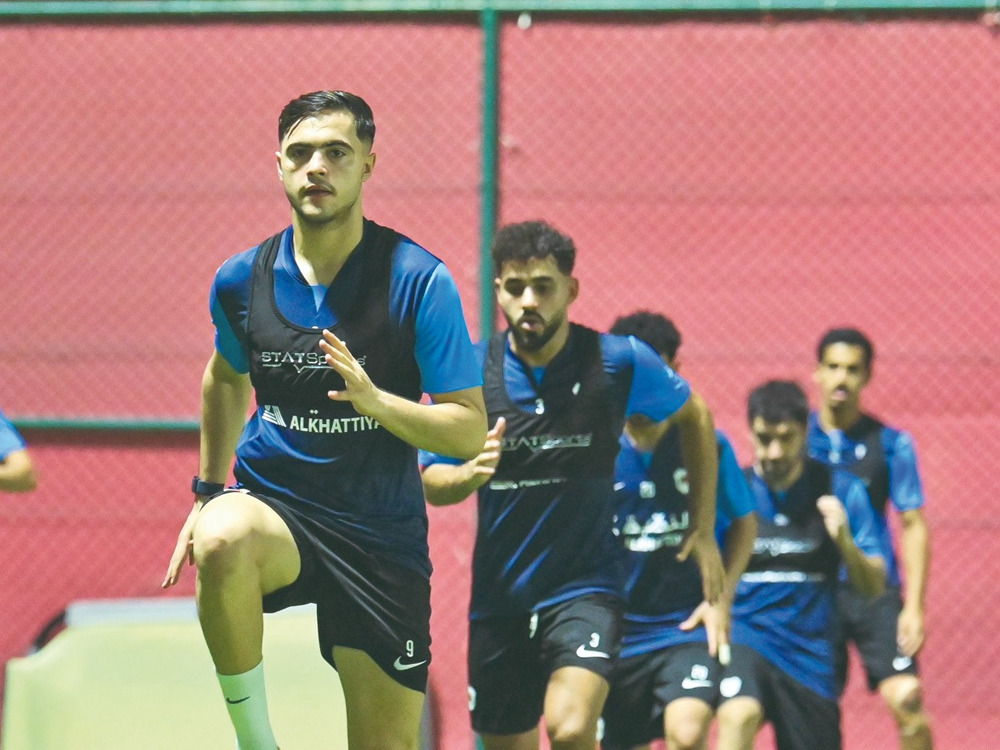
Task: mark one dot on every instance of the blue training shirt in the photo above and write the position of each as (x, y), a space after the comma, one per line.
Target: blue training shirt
(784, 604)
(422, 297)
(886, 461)
(554, 542)
(10, 438)
(651, 518)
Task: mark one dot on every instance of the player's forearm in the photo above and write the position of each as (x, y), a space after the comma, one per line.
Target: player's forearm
(456, 427)
(447, 484)
(701, 458)
(866, 574)
(916, 553)
(17, 472)
(225, 396)
(738, 549)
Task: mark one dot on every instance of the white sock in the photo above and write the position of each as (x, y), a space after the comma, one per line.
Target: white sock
(246, 702)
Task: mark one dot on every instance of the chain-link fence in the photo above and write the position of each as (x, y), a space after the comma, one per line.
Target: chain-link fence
(756, 178)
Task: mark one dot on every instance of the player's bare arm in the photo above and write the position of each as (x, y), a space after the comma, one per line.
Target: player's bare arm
(454, 424)
(916, 553)
(701, 458)
(716, 616)
(225, 397)
(866, 573)
(447, 484)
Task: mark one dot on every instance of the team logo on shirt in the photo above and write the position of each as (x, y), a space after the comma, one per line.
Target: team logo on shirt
(272, 414)
(661, 530)
(776, 546)
(316, 424)
(536, 443)
(299, 361)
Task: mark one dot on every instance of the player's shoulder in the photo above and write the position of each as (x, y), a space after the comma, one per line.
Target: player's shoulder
(237, 270)
(894, 439)
(619, 349)
(410, 258)
(723, 441)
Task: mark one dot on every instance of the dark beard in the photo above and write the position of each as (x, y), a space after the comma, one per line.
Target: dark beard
(531, 341)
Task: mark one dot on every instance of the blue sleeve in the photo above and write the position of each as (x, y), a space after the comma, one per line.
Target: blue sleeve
(860, 516)
(733, 498)
(443, 348)
(10, 438)
(228, 302)
(905, 487)
(228, 344)
(657, 391)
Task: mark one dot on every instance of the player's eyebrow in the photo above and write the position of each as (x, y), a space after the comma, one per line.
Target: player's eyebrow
(320, 146)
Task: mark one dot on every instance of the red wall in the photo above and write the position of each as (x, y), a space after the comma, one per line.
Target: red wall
(758, 182)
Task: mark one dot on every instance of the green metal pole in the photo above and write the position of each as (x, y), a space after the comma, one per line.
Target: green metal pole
(106, 424)
(488, 186)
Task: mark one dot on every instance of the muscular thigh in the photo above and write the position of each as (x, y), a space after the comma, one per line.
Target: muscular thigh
(381, 712)
(248, 529)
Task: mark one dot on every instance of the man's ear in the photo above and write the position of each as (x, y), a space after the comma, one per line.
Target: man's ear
(369, 166)
(277, 159)
(574, 288)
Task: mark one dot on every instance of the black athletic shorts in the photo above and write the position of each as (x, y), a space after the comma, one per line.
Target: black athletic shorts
(802, 719)
(871, 625)
(362, 602)
(511, 658)
(642, 686)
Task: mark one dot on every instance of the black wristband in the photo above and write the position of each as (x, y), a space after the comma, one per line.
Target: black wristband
(207, 489)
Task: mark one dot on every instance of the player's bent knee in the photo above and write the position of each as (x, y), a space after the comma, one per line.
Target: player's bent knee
(572, 730)
(687, 735)
(222, 536)
(740, 712)
(687, 725)
(905, 697)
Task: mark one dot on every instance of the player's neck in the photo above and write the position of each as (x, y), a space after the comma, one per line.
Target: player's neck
(321, 250)
(785, 482)
(843, 418)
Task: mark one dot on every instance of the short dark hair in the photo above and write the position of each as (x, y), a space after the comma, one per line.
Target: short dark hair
(849, 336)
(532, 239)
(656, 330)
(312, 104)
(778, 401)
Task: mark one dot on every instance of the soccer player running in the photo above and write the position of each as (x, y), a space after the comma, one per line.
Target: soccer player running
(666, 680)
(547, 571)
(17, 470)
(337, 324)
(888, 631)
(812, 520)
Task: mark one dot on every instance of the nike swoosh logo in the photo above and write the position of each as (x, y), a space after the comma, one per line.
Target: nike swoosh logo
(233, 703)
(688, 684)
(400, 666)
(585, 653)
